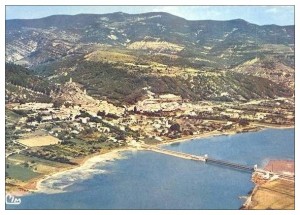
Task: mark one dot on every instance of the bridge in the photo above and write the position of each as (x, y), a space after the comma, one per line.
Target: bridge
(229, 164)
(175, 154)
(204, 158)
(210, 160)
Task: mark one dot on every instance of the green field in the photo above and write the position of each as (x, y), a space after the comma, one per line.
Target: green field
(23, 158)
(151, 141)
(12, 117)
(19, 172)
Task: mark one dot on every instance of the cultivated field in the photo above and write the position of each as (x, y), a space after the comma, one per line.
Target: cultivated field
(279, 194)
(39, 141)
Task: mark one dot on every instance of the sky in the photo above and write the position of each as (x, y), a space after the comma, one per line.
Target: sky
(261, 15)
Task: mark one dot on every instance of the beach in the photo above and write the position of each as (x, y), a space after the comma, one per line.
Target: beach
(84, 163)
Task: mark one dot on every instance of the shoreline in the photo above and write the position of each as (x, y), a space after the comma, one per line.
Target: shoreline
(265, 126)
(86, 163)
(198, 136)
(253, 127)
(34, 185)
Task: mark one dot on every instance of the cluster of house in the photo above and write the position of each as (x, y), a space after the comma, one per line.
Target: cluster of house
(154, 103)
(193, 118)
(237, 114)
(44, 113)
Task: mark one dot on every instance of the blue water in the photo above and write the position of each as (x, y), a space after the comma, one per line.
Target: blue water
(244, 148)
(148, 180)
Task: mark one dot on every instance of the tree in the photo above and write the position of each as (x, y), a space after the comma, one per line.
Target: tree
(57, 104)
(243, 122)
(88, 131)
(102, 139)
(38, 118)
(175, 127)
(121, 137)
(101, 113)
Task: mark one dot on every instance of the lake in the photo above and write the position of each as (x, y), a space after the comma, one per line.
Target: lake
(148, 180)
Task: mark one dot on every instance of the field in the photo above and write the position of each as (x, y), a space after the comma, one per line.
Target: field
(19, 171)
(281, 166)
(110, 56)
(39, 141)
(279, 194)
(39, 165)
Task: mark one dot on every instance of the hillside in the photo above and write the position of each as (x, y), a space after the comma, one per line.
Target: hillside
(21, 85)
(106, 81)
(117, 56)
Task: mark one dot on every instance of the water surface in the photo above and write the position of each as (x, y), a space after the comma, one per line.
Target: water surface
(148, 180)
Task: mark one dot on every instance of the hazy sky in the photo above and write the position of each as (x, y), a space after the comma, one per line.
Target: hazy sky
(280, 15)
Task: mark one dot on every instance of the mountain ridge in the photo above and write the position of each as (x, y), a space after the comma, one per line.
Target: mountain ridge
(145, 49)
(147, 13)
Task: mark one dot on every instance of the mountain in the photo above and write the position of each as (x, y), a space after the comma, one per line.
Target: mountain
(46, 39)
(116, 56)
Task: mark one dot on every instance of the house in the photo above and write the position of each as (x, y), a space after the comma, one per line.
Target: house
(74, 132)
(104, 129)
(158, 138)
(46, 118)
(23, 120)
(92, 124)
(260, 116)
(113, 139)
(34, 123)
(233, 115)
(84, 119)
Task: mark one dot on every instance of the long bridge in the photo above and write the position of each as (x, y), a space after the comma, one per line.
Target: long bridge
(176, 154)
(230, 164)
(207, 159)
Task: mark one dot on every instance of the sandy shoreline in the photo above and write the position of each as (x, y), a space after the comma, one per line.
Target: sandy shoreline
(86, 163)
(35, 184)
